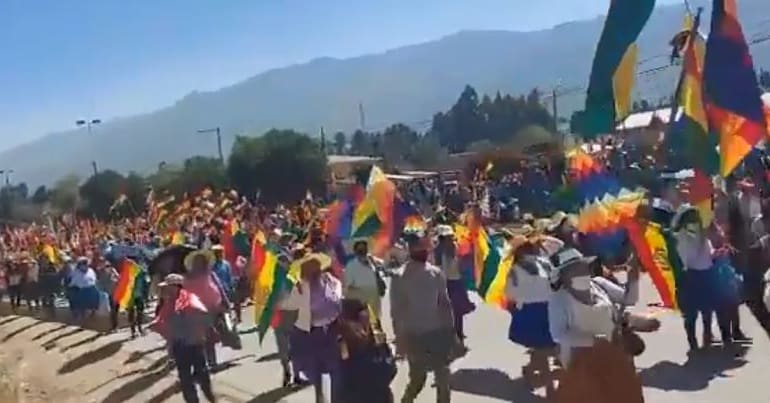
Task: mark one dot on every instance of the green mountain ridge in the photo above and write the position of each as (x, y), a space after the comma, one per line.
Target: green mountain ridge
(407, 84)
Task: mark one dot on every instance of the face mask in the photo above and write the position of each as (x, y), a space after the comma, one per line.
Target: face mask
(581, 283)
(692, 228)
(421, 256)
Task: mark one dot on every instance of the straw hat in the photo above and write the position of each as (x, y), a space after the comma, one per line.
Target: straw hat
(323, 260)
(188, 260)
(557, 219)
(172, 279)
(217, 248)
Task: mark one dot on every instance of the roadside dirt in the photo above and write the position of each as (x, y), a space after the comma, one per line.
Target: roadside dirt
(44, 361)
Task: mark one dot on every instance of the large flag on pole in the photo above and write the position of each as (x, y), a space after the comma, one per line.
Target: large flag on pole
(608, 99)
(734, 107)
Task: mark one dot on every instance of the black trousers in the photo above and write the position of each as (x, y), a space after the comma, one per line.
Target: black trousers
(191, 368)
(136, 315)
(114, 312)
(14, 292)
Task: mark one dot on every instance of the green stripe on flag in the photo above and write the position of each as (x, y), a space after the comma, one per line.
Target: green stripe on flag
(624, 22)
(280, 280)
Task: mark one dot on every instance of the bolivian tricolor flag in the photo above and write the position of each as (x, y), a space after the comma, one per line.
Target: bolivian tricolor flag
(489, 268)
(129, 283)
(270, 280)
(608, 99)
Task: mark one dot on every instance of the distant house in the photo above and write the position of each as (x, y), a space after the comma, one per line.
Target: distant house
(649, 126)
(342, 167)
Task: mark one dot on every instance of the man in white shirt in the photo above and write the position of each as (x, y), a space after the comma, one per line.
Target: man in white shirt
(361, 278)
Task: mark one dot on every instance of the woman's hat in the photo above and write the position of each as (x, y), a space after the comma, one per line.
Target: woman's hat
(217, 248)
(323, 260)
(188, 260)
(172, 279)
(557, 219)
(444, 230)
(567, 259)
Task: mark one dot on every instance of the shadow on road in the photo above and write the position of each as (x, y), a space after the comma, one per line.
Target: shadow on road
(494, 384)
(9, 320)
(138, 355)
(152, 374)
(52, 330)
(275, 395)
(695, 374)
(83, 342)
(268, 357)
(22, 329)
(49, 344)
(166, 394)
(91, 357)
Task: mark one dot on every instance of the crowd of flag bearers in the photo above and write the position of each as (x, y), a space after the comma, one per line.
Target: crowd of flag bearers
(316, 273)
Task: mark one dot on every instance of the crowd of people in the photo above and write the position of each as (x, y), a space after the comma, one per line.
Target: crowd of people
(569, 302)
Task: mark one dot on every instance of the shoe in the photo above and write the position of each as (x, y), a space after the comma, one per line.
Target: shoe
(286, 380)
(739, 336)
(708, 340)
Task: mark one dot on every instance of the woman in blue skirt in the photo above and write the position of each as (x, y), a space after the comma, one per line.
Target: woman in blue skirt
(702, 288)
(83, 294)
(527, 284)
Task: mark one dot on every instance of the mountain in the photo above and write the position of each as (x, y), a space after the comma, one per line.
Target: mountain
(407, 85)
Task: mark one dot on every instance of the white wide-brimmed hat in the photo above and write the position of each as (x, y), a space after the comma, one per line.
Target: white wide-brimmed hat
(565, 260)
(190, 258)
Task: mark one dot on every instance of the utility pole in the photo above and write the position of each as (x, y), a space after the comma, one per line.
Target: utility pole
(361, 117)
(555, 95)
(88, 123)
(219, 142)
(323, 140)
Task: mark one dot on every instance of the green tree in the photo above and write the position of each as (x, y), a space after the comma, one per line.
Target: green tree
(41, 195)
(201, 172)
(428, 152)
(281, 165)
(64, 195)
(397, 142)
(100, 191)
(339, 143)
(360, 143)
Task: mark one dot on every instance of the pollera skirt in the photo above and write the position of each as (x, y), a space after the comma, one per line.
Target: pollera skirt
(529, 326)
(315, 352)
(701, 290)
(458, 296)
(84, 298)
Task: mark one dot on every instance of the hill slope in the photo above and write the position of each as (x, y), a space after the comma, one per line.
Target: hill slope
(408, 85)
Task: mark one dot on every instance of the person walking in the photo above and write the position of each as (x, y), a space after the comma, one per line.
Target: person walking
(586, 319)
(201, 281)
(184, 322)
(314, 340)
(360, 281)
(422, 315)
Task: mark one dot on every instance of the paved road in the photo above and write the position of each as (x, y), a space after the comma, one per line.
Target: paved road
(491, 372)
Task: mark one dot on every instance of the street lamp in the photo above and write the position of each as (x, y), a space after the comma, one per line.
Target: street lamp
(219, 141)
(88, 123)
(7, 173)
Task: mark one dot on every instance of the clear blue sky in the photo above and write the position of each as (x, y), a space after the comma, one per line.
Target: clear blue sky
(62, 60)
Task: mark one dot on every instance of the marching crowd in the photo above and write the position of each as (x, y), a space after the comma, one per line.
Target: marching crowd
(568, 305)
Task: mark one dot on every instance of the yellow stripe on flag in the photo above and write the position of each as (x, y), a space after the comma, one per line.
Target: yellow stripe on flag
(623, 82)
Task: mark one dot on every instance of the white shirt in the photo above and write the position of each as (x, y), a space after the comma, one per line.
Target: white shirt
(33, 273)
(451, 267)
(83, 279)
(574, 324)
(526, 288)
(696, 252)
(359, 275)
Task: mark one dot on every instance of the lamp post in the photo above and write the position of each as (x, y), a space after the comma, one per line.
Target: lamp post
(219, 142)
(7, 173)
(88, 123)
